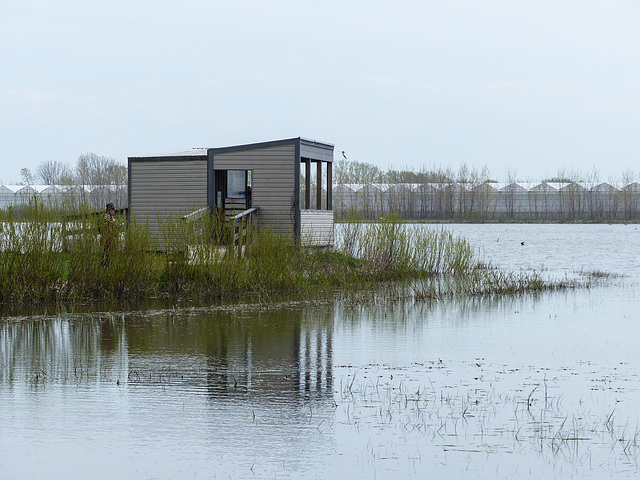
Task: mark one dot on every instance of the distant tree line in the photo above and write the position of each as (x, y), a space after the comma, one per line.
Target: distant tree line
(470, 194)
(94, 180)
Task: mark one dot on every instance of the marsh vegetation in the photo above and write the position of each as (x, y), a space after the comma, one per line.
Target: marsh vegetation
(51, 256)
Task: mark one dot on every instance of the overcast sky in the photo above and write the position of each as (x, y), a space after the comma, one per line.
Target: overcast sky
(528, 88)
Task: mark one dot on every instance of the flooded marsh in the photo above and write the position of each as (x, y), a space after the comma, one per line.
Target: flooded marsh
(526, 386)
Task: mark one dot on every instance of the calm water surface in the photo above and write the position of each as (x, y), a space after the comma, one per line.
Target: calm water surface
(531, 387)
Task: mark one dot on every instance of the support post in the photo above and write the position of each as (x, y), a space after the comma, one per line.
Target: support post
(307, 183)
(319, 187)
(329, 186)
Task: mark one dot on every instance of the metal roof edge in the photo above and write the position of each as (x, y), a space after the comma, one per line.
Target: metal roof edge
(317, 143)
(205, 151)
(252, 146)
(194, 152)
(272, 143)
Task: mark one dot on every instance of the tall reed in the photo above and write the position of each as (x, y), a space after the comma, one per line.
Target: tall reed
(133, 268)
(391, 248)
(438, 251)
(51, 254)
(274, 263)
(30, 262)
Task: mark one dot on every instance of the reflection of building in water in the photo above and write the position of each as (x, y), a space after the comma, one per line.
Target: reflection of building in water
(267, 355)
(280, 354)
(315, 356)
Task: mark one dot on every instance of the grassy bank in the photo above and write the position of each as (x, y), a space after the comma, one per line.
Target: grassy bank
(51, 256)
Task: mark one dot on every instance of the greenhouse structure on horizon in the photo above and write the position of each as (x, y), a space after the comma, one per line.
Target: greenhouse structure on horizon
(490, 200)
(445, 200)
(96, 196)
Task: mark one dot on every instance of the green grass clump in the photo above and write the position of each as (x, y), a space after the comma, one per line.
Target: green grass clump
(389, 249)
(51, 255)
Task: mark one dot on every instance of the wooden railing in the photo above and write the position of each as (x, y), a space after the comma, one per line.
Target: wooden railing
(240, 224)
(197, 214)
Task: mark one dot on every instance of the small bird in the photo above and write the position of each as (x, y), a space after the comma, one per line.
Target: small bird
(344, 155)
(522, 243)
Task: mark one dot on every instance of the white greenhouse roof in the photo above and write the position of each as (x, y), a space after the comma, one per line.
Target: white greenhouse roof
(497, 186)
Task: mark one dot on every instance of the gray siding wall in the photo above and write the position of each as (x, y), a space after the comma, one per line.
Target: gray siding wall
(162, 189)
(310, 150)
(273, 170)
(316, 228)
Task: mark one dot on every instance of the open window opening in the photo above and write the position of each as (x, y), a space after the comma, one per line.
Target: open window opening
(233, 189)
(316, 185)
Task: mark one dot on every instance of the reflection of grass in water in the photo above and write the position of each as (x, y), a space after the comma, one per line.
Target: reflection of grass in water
(473, 419)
